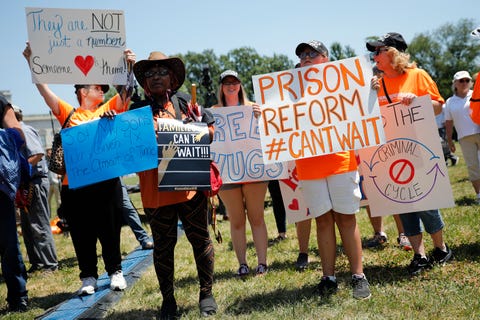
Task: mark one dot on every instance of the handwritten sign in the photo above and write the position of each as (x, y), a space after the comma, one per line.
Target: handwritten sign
(77, 46)
(103, 149)
(189, 169)
(408, 172)
(318, 110)
(295, 208)
(236, 147)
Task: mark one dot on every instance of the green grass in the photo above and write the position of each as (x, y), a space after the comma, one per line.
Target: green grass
(451, 291)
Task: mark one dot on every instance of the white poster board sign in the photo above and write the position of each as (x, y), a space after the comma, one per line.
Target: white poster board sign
(236, 147)
(408, 173)
(318, 109)
(77, 46)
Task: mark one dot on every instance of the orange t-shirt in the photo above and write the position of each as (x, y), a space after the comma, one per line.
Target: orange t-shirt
(415, 81)
(81, 115)
(475, 103)
(320, 167)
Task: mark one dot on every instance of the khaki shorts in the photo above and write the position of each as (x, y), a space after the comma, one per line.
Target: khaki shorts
(339, 192)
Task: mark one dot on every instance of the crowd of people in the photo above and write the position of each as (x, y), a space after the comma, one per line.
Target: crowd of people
(331, 191)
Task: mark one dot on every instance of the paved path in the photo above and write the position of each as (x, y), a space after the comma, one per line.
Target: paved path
(96, 306)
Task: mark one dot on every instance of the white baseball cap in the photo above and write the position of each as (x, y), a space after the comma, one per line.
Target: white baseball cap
(461, 75)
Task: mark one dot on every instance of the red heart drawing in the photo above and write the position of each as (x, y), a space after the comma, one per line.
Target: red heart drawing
(84, 64)
(293, 205)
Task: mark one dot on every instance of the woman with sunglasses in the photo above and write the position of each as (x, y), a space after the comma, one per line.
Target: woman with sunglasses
(457, 112)
(402, 82)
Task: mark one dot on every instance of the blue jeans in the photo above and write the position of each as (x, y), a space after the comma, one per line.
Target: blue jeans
(130, 215)
(431, 219)
(13, 269)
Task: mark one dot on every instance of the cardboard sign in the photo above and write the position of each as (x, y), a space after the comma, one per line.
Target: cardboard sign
(189, 168)
(237, 150)
(75, 46)
(408, 173)
(103, 149)
(317, 110)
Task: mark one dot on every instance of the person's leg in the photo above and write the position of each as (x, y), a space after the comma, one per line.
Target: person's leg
(163, 223)
(43, 245)
(193, 215)
(81, 218)
(233, 200)
(278, 207)
(327, 242)
(303, 229)
(254, 195)
(130, 215)
(379, 236)
(13, 268)
(350, 234)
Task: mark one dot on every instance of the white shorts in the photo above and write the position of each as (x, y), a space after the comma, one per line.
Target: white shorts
(340, 192)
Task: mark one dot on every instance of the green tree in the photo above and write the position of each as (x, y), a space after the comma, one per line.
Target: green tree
(337, 52)
(446, 50)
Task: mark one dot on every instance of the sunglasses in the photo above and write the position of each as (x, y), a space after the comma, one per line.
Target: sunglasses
(464, 80)
(311, 54)
(380, 50)
(152, 73)
(234, 83)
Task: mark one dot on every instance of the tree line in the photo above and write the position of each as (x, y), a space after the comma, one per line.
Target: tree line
(441, 52)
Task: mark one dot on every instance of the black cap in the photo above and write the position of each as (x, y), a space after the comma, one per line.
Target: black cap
(105, 87)
(315, 45)
(391, 39)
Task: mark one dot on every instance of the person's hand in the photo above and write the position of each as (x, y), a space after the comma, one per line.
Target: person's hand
(375, 83)
(27, 52)
(257, 111)
(130, 56)
(109, 114)
(407, 98)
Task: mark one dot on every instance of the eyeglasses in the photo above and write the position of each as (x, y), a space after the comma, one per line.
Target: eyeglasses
(311, 54)
(380, 50)
(152, 73)
(466, 80)
(231, 83)
(96, 88)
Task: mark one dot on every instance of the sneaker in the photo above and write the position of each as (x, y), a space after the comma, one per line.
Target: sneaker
(208, 306)
(89, 285)
(20, 306)
(379, 239)
(418, 265)
(147, 245)
(441, 257)
(168, 311)
(243, 271)
(454, 160)
(403, 242)
(326, 287)
(361, 288)
(261, 269)
(302, 261)
(117, 281)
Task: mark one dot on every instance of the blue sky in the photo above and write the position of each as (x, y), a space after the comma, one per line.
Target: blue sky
(273, 26)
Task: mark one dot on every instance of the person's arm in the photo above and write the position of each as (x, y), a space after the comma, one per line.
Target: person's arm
(125, 91)
(449, 134)
(50, 98)
(10, 121)
(437, 107)
(34, 159)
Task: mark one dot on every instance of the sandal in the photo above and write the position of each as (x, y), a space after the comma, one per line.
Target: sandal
(208, 306)
(261, 269)
(244, 270)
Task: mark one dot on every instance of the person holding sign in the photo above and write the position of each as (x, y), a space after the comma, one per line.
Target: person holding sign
(161, 77)
(92, 212)
(330, 186)
(243, 200)
(402, 82)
